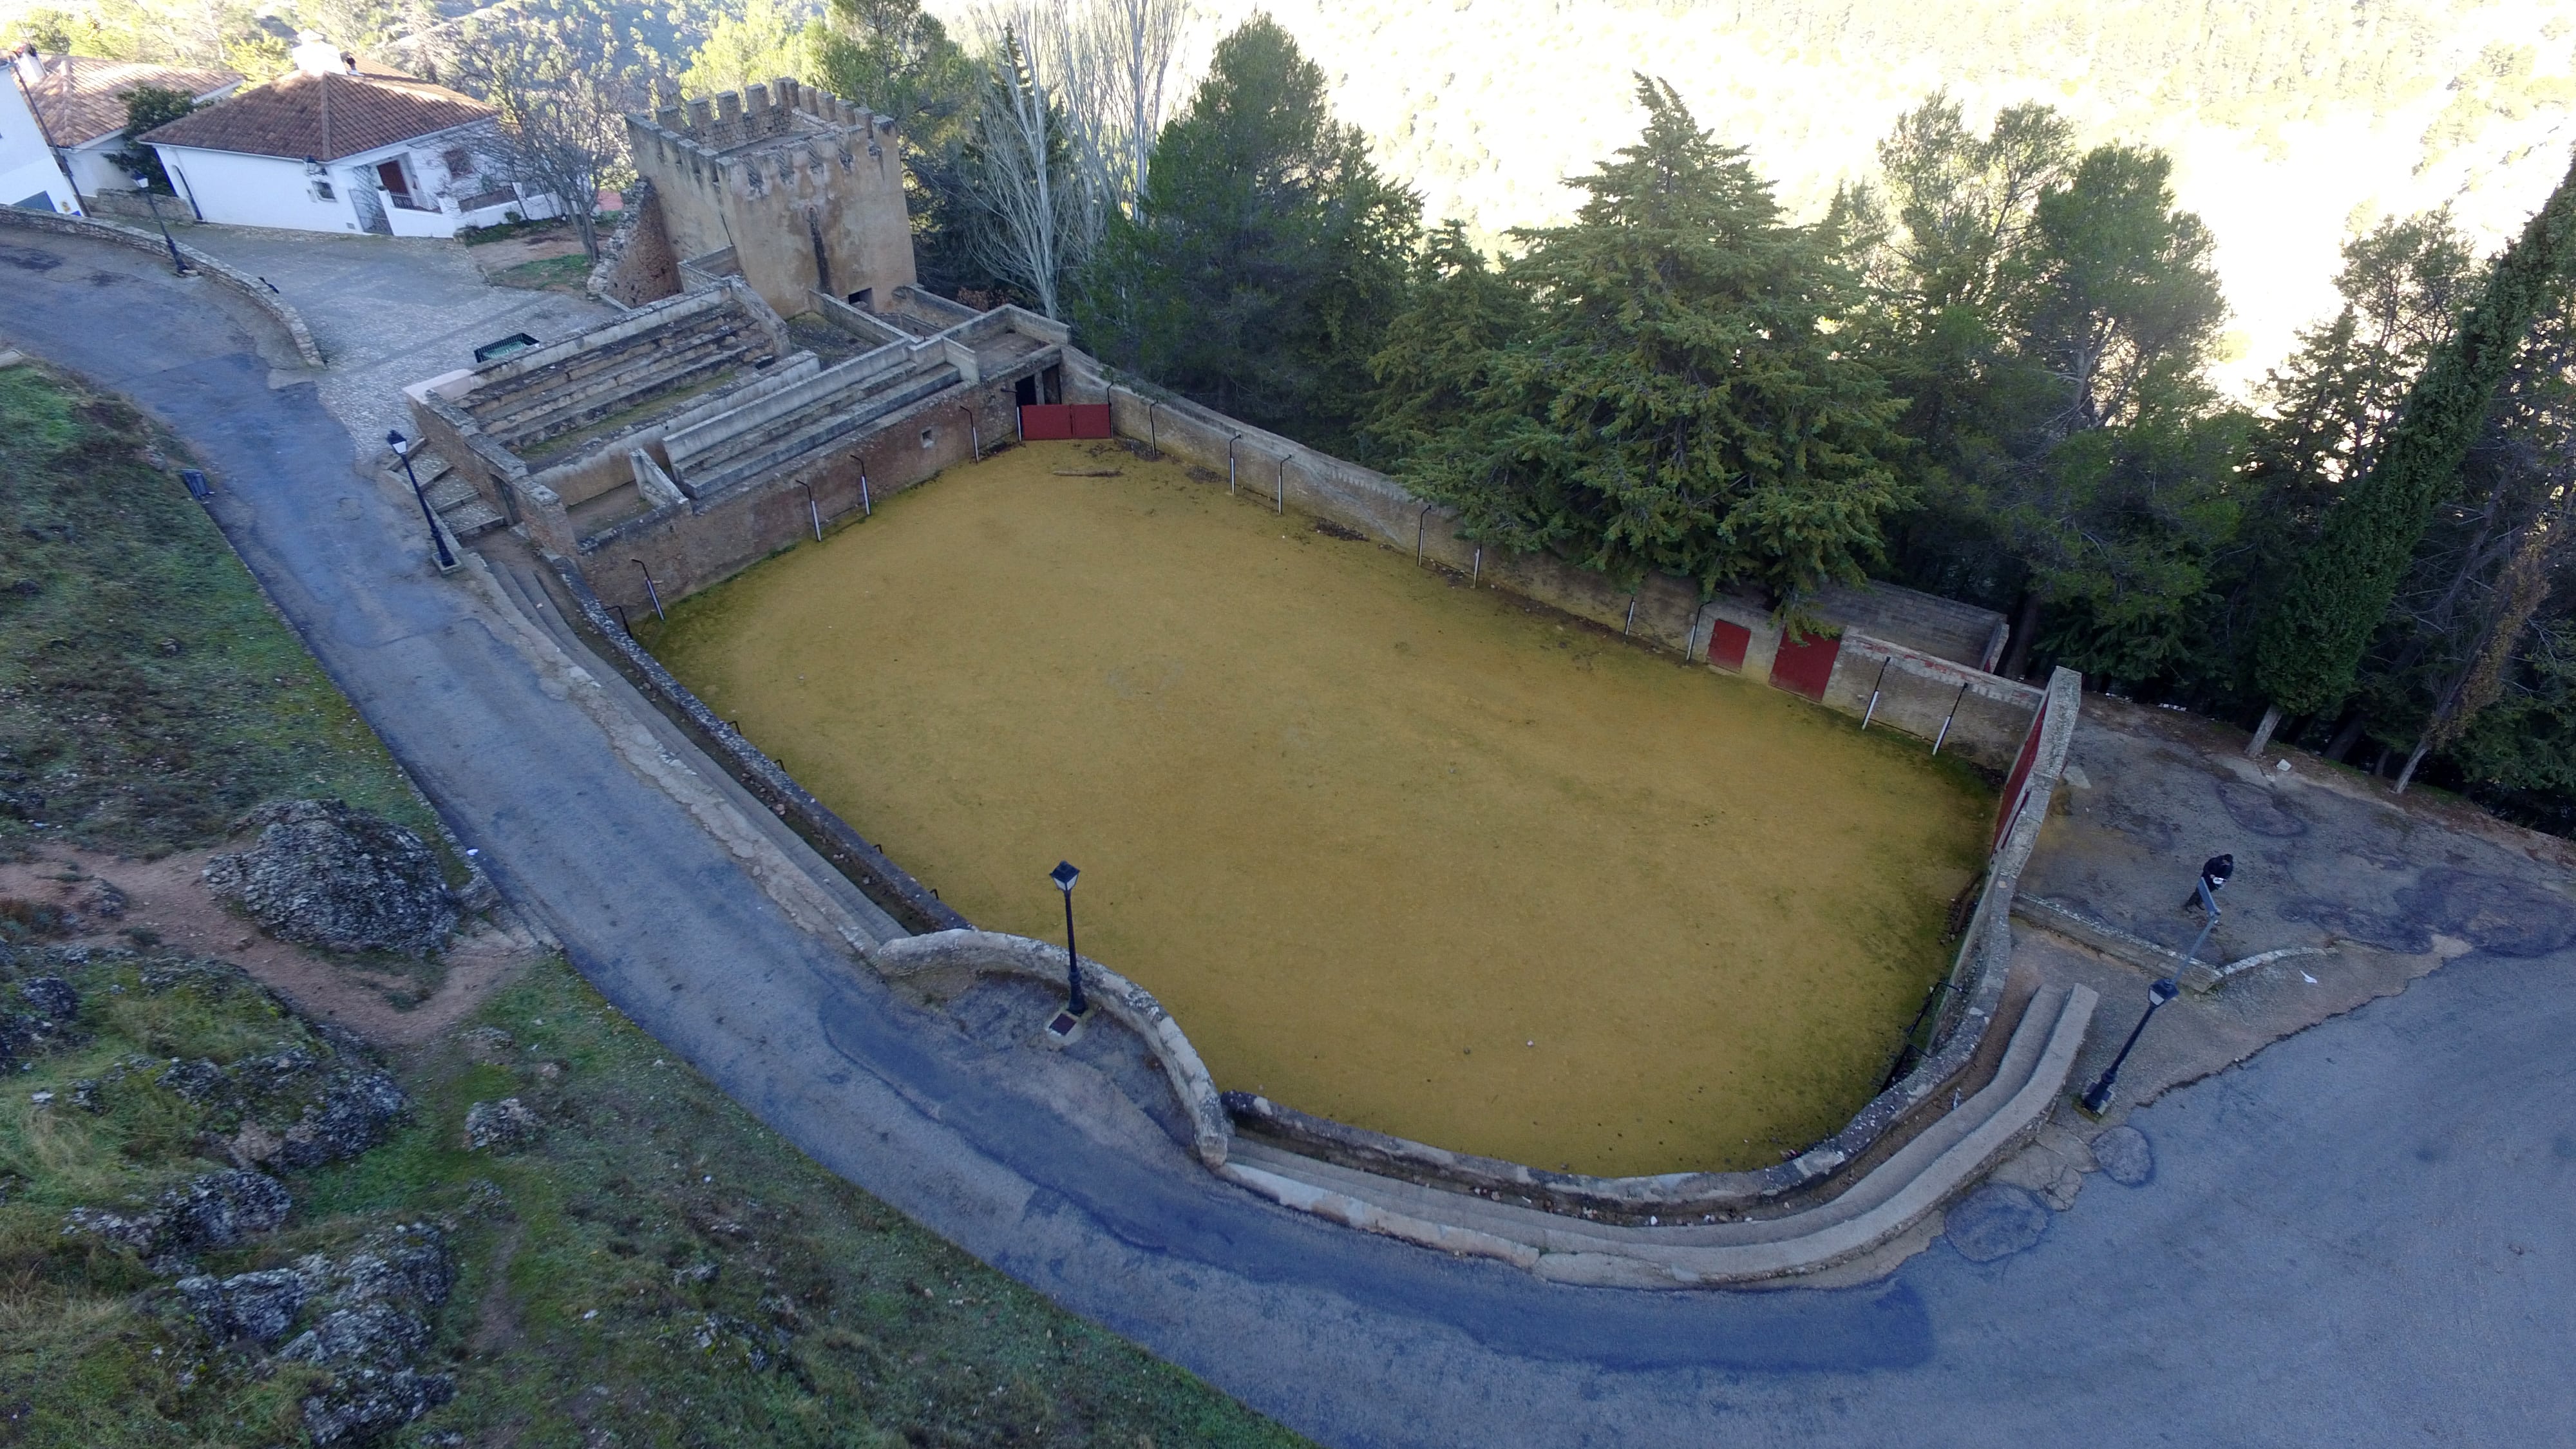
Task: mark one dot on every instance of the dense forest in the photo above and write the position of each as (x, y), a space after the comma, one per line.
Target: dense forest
(1988, 363)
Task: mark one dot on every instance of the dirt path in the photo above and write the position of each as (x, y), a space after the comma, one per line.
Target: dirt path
(168, 899)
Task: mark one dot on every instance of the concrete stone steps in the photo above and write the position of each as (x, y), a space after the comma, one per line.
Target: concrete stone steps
(830, 422)
(636, 371)
(1938, 1162)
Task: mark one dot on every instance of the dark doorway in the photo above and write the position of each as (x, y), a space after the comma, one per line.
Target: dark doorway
(1052, 383)
(865, 299)
(1026, 390)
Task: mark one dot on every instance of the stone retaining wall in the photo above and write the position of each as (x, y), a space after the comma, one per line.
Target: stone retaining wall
(242, 282)
(912, 904)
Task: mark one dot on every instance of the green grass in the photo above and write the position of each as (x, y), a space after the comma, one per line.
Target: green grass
(148, 692)
(657, 1269)
(572, 271)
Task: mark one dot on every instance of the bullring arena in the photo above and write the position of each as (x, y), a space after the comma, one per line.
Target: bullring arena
(1423, 858)
(1638, 937)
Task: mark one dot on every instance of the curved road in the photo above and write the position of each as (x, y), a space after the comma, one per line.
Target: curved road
(2360, 1238)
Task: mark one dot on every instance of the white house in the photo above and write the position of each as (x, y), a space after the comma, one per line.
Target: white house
(333, 147)
(81, 101)
(29, 175)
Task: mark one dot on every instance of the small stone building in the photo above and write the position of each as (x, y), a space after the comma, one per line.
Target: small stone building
(790, 188)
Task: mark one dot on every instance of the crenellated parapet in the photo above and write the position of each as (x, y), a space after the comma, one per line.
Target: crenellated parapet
(804, 186)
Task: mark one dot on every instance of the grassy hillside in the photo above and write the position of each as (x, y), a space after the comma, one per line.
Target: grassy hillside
(277, 1232)
(2289, 118)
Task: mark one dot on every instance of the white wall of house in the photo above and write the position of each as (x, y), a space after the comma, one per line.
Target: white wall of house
(239, 190)
(28, 173)
(447, 184)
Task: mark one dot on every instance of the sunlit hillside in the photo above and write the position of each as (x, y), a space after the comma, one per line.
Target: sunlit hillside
(2291, 120)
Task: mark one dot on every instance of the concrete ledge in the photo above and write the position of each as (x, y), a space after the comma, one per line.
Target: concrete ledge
(1127, 1003)
(2062, 919)
(1351, 1212)
(242, 282)
(1874, 1209)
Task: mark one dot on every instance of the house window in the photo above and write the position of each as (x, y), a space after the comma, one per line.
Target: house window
(927, 434)
(322, 191)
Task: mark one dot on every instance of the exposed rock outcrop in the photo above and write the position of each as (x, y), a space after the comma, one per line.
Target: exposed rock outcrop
(322, 874)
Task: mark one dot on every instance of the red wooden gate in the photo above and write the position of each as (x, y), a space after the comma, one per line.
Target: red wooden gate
(1040, 422)
(1727, 643)
(1806, 666)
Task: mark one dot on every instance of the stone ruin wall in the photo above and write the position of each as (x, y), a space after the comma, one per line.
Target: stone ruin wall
(636, 263)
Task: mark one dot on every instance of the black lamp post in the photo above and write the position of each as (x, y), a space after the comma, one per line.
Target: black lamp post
(2099, 1095)
(143, 184)
(1064, 875)
(402, 449)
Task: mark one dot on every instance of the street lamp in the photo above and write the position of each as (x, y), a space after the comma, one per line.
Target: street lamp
(402, 449)
(1064, 875)
(143, 184)
(2099, 1095)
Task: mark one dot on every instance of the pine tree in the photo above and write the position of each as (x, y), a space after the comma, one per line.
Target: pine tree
(1268, 253)
(2312, 640)
(1679, 402)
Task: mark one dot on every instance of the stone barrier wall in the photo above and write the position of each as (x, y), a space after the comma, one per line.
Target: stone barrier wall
(912, 904)
(1666, 611)
(1974, 996)
(242, 282)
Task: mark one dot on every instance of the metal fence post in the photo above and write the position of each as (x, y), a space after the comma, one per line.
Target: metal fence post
(1229, 462)
(813, 509)
(1281, 502)
(651, 592)
(1872, 712)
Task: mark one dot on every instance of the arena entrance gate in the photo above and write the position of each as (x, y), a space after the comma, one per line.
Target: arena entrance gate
(1806, 666)
(1040, 422)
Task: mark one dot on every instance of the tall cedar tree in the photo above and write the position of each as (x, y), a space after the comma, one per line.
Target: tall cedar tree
(2313, 637)
(1268, 254)
(1441, 349)
(1677, 402)
(2328, 408)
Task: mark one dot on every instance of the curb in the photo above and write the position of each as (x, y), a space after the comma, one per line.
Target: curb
(1878, 1207)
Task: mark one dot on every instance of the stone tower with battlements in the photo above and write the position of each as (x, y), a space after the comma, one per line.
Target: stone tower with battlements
(788, 187)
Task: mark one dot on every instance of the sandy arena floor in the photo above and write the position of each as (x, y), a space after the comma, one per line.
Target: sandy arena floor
(1393, 850)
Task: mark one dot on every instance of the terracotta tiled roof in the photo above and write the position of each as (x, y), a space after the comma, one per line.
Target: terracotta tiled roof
(325, 117)
(82, 98)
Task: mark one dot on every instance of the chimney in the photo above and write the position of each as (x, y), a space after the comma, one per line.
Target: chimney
(313, 55)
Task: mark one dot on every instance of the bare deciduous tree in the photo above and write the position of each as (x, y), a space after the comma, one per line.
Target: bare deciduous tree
(1073, 104)
(1038, 219)
(563, 94)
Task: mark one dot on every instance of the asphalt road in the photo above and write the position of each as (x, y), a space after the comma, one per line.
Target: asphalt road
(2361, 1237)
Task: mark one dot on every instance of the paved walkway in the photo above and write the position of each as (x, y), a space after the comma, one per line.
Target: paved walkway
(2360, 1237)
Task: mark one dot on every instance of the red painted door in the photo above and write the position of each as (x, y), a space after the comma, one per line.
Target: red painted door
(1806, 666)
(1090, 420)
(1039, 422)
(1727, 643)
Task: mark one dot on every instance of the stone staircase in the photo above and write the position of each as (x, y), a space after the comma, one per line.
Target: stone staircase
(460, 509)
(1938, 1162)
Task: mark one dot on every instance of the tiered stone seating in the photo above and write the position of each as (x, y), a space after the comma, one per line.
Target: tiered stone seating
(621, 375)
(790, 423)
